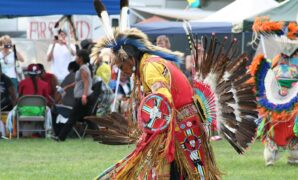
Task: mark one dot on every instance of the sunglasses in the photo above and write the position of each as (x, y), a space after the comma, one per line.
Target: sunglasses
(7, 45)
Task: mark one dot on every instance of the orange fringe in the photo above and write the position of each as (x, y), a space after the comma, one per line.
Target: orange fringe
(263, 24)
(250, 81)
(292, 31)
(283, 116)
(255, 64)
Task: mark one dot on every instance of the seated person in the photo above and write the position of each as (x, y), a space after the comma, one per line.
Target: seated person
(8, 94)
(51, 79)
(33, 85)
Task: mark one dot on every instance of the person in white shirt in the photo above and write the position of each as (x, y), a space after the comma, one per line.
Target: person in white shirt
(60, 53)
(8, 59)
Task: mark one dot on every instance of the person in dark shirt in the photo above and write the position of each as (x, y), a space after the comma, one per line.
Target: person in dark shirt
(8, 94)
(68, 97)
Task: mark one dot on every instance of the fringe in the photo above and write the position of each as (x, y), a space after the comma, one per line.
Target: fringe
(144, 159)
(264, 25)
(254, 66)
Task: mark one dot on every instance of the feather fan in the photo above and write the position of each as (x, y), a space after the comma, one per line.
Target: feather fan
(111, 129)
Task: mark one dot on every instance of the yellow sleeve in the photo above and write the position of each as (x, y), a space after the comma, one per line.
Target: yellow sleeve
(157, 79)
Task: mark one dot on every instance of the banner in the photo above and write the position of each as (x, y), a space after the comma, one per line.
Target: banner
(42, 28)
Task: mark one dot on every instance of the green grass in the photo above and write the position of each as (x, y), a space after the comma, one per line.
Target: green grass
(47, 159)
(85, 159)
(251, 165)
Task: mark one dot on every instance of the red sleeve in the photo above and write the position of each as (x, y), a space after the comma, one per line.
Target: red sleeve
(21, 86)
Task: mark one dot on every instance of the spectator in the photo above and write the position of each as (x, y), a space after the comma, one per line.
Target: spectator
(60, 53)
(1, 44)
(124, 86)
(102, 66)
(163, 41)
(33, 85)
(8, 60)
(87, 44)
(68, 96)
(102, 92)
(82, 94)
(123, 94)
(190, 62)
(8, 93)
(49, 78)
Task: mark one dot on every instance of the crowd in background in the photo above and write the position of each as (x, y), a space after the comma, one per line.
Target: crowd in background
(88, 88)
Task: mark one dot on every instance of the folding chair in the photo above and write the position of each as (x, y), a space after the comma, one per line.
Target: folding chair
(31, 101)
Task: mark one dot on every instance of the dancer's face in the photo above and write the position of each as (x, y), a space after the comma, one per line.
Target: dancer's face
(126, 66)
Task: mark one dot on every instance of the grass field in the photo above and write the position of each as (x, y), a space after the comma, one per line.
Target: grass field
(84, 159)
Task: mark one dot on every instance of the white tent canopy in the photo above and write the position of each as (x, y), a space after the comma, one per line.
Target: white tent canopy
(239, 10)
(187, 14)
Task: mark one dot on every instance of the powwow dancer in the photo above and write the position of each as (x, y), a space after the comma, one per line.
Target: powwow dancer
(277, 88)
(174, 120)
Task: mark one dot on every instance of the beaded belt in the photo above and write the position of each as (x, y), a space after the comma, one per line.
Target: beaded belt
(186, 111)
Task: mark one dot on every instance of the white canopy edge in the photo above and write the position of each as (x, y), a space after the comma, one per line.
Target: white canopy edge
(240, 10)
(180, 14)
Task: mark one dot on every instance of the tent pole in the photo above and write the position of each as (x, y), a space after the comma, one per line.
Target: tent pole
(263, 46)
(137, 14)
(116, 91)
(243, 42)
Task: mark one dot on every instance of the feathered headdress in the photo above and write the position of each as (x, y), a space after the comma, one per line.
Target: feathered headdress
(124, 36)
(270, 102)
(136, 38)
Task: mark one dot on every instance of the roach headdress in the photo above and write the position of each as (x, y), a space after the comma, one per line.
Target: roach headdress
(123, 35)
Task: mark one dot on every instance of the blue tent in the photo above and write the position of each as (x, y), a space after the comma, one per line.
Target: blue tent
(54, 7)
(168, 28)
